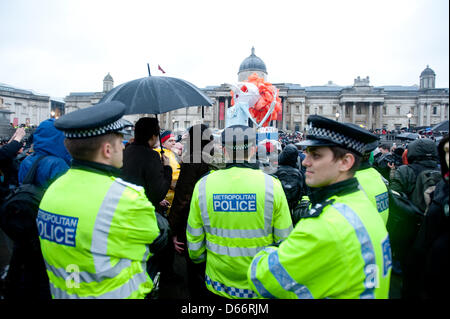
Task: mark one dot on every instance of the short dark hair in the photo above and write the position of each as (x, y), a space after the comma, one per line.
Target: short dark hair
(145, 128)
(385, 146)
(339, 152)
(86, 148)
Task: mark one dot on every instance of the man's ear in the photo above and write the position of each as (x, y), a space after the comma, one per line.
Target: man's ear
(106, 150)
(346, 162)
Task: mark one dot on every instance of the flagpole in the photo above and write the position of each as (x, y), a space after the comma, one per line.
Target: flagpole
(159, 132)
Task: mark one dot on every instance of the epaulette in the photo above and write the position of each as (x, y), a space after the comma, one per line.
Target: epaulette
(317, 209)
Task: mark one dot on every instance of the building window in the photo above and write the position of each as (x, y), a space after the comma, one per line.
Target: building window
(298, 108)
(321, 109)
(434, 110)
(384, 110)
(358, 109)
(398, 110)
(307, 110)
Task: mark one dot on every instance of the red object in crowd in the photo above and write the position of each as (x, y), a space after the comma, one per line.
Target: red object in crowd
(267, 92)
(404, 157)
(269, 147)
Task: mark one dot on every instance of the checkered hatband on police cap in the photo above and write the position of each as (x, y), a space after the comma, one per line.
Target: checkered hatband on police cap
(97, 131)
(338, 138)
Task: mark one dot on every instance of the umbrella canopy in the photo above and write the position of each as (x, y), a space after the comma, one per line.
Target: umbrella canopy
(408, 136)
(156, 95)
(441, 127)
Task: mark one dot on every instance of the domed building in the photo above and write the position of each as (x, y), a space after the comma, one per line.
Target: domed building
(427, 78)
(79, 100)
(252, 64)
(374, 107)
(108, 83)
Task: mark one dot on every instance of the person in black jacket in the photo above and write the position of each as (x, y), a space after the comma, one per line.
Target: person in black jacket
(8, 170)
(8, 175)
(142, 165)
(291, 178)
(195, 164)
(422, 155)
(428, 276)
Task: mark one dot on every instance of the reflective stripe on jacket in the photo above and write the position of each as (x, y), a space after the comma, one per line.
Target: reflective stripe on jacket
(95, 232)
(342, 253)
(235, 213)
(374, 187)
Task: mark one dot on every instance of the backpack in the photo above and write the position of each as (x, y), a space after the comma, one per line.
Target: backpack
(425, 184)
(19, 210)
(406, 213)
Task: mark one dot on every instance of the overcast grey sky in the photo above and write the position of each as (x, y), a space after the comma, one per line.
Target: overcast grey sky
(56, 47)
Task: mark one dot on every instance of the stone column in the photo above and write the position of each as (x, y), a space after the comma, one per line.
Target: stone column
(428, 114)
(370, 115)
(354, 113)
(291, 118)
(168, 126)
(421, 114)
(283, 126)
(225, 112)
(381, 115)
(442, 107)
(303, 116)
(343, 110)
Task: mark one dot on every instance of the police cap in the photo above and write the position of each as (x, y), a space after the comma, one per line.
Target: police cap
(96, 120)
(238, 137)
(326, 132)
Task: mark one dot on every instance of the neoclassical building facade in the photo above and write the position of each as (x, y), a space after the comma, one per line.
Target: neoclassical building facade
(24, 106)
(375, 107)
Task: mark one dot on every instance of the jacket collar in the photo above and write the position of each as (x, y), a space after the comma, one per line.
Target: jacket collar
(245, 164)
(320, 194)
(364, 165)
(96, 167)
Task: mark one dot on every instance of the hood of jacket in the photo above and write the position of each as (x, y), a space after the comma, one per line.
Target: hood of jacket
(441, 152)
(422, 149)
(47, 140)
(289, 156)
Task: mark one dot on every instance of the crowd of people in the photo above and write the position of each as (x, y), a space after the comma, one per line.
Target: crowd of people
(325, 224)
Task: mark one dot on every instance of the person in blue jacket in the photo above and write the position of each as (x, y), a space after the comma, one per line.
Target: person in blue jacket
(47, 141)
(27, 278)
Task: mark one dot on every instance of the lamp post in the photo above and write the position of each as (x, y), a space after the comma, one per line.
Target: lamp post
(409, 115)
(337, 116)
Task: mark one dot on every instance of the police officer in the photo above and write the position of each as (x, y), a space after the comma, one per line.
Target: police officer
(340, 248)
(94, 228)
(234, 213)
(373, 183)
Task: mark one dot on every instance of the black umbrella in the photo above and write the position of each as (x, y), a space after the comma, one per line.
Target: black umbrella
(408, 136)
(156, 95)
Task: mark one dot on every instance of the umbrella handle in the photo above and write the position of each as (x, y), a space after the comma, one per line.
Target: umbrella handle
(162, 148)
